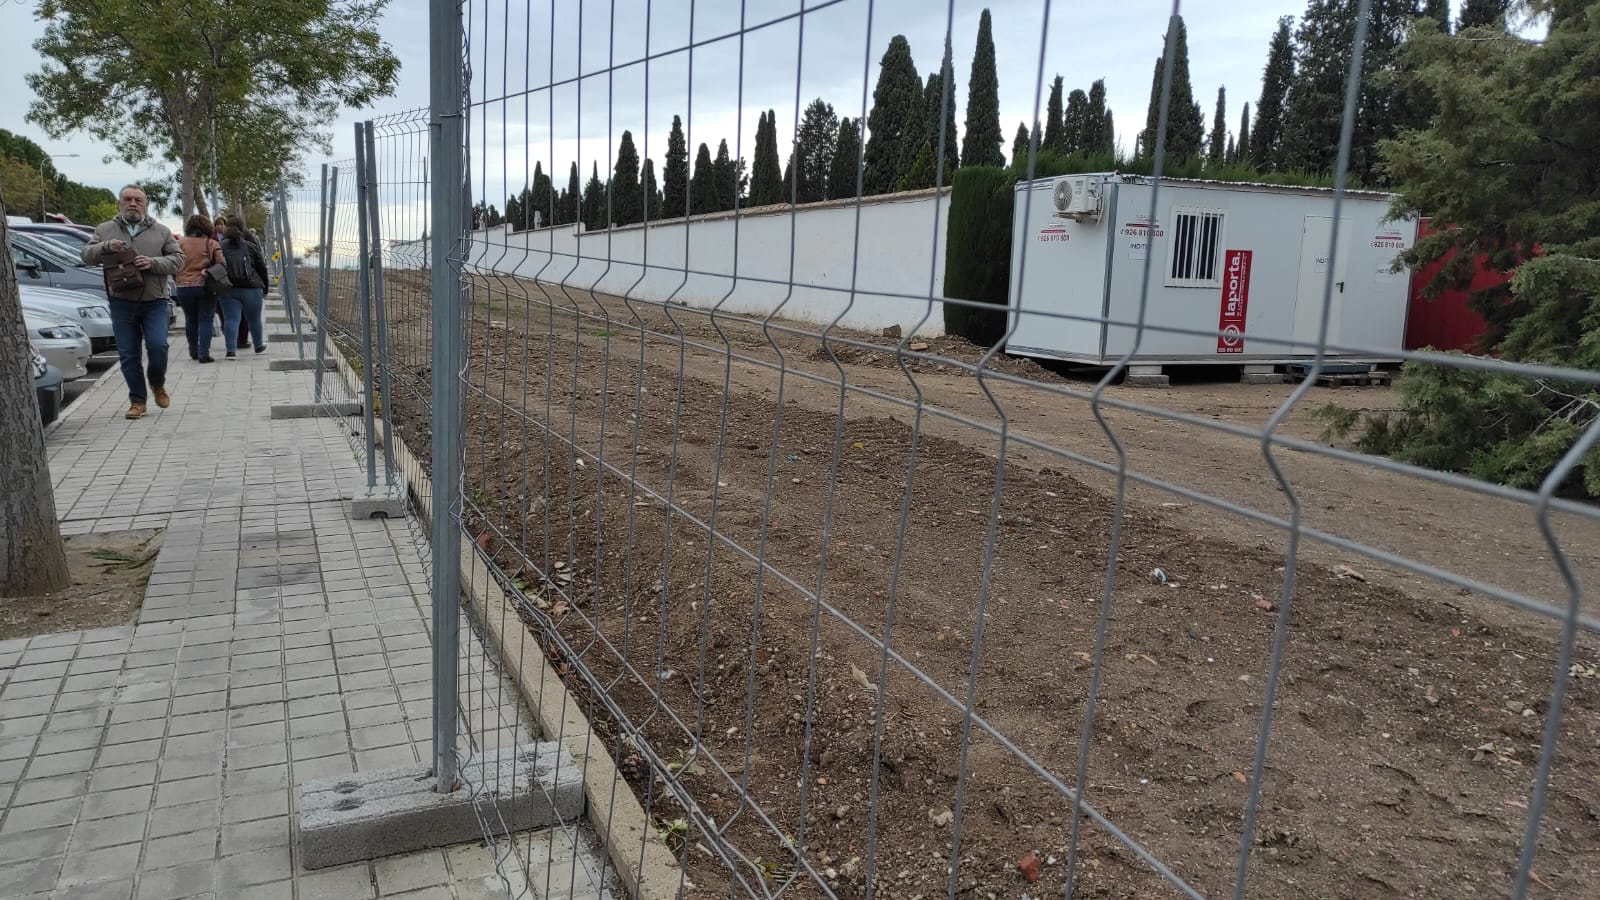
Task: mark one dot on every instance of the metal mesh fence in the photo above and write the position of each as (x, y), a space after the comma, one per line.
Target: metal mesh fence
(823, 601)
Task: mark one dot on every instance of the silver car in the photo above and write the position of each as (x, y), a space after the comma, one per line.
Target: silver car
(62, 343)
(88, 311)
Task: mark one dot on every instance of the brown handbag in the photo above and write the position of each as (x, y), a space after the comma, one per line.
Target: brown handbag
(124, 281)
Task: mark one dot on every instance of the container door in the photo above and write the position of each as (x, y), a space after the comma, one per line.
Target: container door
(1313, 278)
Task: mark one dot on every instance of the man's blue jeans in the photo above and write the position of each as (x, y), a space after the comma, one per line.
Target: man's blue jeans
(141, 324)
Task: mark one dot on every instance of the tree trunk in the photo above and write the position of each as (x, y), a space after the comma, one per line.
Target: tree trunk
(32, 557)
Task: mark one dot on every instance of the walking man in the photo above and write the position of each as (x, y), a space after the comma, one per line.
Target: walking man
(139, 316)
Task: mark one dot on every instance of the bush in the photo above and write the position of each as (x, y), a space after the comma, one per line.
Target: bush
(977, 262)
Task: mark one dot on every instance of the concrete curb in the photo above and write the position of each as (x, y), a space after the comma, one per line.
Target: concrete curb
(299, 365)
(331, 409)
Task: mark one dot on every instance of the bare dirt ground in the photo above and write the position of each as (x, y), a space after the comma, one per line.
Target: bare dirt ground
(109, 573)
(1408, 717)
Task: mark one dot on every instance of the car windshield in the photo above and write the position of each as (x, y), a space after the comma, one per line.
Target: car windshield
(45, 249)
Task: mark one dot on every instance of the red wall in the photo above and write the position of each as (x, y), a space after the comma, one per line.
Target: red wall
(1445, 322)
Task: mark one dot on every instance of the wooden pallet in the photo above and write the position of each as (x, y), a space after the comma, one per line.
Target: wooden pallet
(1343, 379)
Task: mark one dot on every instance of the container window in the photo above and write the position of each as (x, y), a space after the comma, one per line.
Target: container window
(1195, 254)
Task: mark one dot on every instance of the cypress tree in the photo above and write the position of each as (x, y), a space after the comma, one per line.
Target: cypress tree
(813, 150)
(594, 202)
(846, 160)
(627, 204)
(1483, 13)
(1056, 127)
(1216, 153)
(1231, 155)
(1096, 139)
(1110, 135)
(1439, 12)
(675, 174)
(703, 185)
(1077, 122)
(1019, 147)
(574, 196)
(539, 207)
(897, 101)
(1185, 122)
(1267, 139)
(981, 144)
(945, 91)
(766, 178)
(726, 176)
(1241, 155)
(650, 210)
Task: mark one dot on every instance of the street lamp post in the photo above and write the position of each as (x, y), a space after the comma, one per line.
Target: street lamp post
(41, 178)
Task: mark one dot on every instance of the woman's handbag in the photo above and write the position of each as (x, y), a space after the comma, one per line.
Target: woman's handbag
(217, 281)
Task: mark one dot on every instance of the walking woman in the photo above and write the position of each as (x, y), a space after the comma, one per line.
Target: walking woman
(200, 252)
(248, 272)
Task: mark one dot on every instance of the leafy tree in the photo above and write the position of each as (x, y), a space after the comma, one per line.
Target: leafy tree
(1484, 14)
(981, 144)
(22, 187)
(1216, 153)
(596, 211)
(653, 199)
(1509, 164)
(893, 124)
(1185, 123)
(1020, 145)
(844, 174)
(703, 184)
(675, 174)
(59, 193)
(1098, 136)
(1266, 142)
(151, 78)
(766, 178)
(813, 151)
(627, 204)
(1055, 120)
(1077, 123)
(1241, 155)
(1437, 11)
(729, 175)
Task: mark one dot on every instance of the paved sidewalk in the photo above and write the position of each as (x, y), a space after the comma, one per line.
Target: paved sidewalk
(279, 641)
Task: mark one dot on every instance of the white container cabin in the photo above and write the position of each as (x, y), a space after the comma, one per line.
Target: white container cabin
(1237, 274)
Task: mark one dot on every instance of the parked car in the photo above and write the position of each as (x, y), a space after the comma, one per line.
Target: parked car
(48, 385)
(88, 311)
(68, 235)
(59, 341)
(44, 263)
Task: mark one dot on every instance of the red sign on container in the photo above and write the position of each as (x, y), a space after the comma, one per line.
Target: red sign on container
(1235, 301)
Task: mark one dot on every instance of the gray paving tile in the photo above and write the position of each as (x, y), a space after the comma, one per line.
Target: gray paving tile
(104, 864)
(41, 815)
(92, 835)
(352, 882)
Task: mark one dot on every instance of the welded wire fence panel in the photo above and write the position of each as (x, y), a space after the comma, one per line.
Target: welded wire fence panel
(857, 607)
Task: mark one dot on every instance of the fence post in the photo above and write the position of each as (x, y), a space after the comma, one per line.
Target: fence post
(364, 288)
(291, 280)
(382, 327)
(447, 219)
(325, 223)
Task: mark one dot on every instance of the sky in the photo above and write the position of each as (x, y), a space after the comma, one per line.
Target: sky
(531, 106)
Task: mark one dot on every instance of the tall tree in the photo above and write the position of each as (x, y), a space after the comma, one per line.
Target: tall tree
(1230, 156)
(652, 197)
(1097, 137)
(151, 79)
(1439, 12)
(981, 144)
(730, 189)
(1055, 120)
(703, 184)
(944, 91)
(844, 174)
(1020, 146)
(1316, 99)
(675, 174)
(1267, 139)
(813, 151)
(1484, 13)
(627, 206)
(570, 214)
(766, 175)
(596, 211)
(895, 119)
(1077, 121)
(1110, 132)
(539, 210)
(1241, 155)
(33, 559)
(1216, 154)
(1185, 122)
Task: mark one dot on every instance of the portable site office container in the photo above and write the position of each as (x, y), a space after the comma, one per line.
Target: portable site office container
(1237, 272)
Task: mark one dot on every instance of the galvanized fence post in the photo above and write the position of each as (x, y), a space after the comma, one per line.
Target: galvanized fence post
(325, 223)
(364, 288)
(447, 225)
(376, 262)
(290, 278)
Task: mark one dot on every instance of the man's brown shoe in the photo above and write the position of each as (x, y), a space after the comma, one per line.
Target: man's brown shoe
(163, 399)
(135, 411)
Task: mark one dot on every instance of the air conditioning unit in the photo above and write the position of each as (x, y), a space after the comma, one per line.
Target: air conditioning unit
(1077, 197)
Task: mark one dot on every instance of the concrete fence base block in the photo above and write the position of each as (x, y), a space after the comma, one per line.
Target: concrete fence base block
(389, 504)
(281, 337)
(330, 409)
(299, 365)
(1146, 376)
(348, 818)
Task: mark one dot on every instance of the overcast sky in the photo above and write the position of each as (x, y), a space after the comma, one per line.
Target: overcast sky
(522, 47)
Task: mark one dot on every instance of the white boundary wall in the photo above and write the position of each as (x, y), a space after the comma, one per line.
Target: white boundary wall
(899, 266)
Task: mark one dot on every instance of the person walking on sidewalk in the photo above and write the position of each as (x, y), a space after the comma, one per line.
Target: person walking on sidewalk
(200, 252)
(139, 313)
(248, 272)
